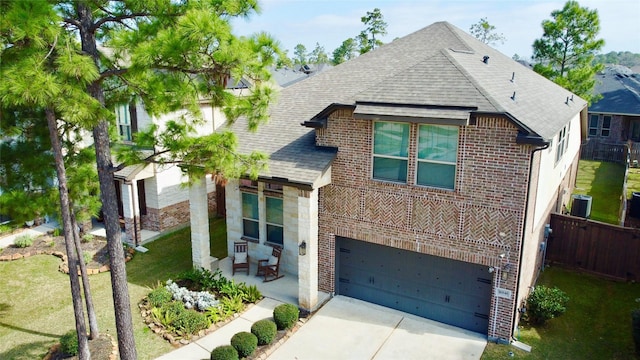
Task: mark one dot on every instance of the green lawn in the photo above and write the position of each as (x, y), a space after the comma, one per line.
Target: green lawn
(597, 324)
(603, 182)
(35, 307)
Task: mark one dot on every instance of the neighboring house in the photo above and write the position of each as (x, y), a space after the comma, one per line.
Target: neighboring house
(615, 118)
(419, 176)
(153, 196)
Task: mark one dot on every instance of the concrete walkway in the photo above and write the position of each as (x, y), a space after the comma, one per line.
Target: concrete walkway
(34, 231)
(347, 328)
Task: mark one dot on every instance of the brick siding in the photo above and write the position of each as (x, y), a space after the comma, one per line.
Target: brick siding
(464, 224)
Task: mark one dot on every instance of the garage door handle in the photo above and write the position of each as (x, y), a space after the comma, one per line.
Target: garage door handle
(447, 298)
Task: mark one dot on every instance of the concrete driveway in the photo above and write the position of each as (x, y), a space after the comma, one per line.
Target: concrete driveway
(347, 328)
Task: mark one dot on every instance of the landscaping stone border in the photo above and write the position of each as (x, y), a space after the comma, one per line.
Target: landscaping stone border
(64, 266)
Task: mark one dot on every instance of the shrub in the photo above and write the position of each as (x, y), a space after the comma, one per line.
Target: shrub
(224, 352)
(159, 296)
(285, 316)
(635, 326)
(201, 300)
(87, 238)
(69, 343)
(56, 232)
(250, 294)
(23, 241)
(86, 256)
(546, 303)
(190, 322)
(265, 330)
(245, 342)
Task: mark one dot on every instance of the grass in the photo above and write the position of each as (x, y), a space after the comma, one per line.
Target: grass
(39, 310)
(603, 182)
(597, 324)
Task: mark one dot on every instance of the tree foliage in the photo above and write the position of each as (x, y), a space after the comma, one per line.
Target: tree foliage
(318, 55)
(566, 50)
(300, 54)
(346, 51)
(375, 27)
(486, 32)
(625, 58)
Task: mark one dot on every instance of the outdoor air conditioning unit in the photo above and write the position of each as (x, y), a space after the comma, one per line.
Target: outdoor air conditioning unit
(581, 206)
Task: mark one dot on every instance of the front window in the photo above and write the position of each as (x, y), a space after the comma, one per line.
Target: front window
(437, 155)
(123, 121)
(274, 220)
(250, 217)
(390, 151)
(593, 125)
(606, 125)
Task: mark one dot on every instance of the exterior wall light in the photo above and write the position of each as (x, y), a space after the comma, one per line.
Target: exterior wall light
(302, 248)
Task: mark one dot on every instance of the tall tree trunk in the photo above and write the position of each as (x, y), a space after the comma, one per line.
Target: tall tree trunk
(122, 305)
(72, 258)
(88, 299)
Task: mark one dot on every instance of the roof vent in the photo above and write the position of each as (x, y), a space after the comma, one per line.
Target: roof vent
(567, 101)
(513, 76)
(513, 97)
(485, 59)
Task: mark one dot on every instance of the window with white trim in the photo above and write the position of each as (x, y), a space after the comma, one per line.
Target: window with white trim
(437, 156)
(593, 124)
(123, 121)
(390, 151)
(250, 215)
(562, 143)
(606, 125)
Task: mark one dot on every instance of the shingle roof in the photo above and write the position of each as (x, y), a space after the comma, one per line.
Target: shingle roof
(439, 65)
(620, 90)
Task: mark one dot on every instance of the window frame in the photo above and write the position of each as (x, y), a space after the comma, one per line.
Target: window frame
(256, 220)
(271, 224)
(404, 159)
(563, 142)
(122, 111)
(420, 160)
(605, 119)
(593, 130)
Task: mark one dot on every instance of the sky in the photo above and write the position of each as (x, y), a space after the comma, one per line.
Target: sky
(330, 22)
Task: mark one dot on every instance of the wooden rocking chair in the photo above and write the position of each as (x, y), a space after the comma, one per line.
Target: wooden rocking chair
(270, 268)
(240, 260)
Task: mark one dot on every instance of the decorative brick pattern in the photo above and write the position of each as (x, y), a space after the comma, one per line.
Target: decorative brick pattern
(462, 224)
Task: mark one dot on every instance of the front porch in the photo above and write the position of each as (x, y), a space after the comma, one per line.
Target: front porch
(284, 289)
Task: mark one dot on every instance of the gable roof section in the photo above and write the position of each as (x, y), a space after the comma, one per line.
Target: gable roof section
(435, 72)
(620, 90)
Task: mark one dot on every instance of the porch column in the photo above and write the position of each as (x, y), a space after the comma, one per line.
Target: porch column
(128, 210)
(199, 217)
(308, 264)
(131, 212)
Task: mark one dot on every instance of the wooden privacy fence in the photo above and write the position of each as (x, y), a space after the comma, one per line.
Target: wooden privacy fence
(604, 249)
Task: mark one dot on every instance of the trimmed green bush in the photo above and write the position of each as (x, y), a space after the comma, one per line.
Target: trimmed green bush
(245, 342)
(159, 296)
(69, 343)
(285, 316)
(546, 303)
(224, 352)
(265, 330)
(23, 241)
(635, 328)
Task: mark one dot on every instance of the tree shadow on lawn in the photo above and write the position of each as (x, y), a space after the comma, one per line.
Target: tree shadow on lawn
(30, 351)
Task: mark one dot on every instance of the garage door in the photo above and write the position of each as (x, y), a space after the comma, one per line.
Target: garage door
(449, 291)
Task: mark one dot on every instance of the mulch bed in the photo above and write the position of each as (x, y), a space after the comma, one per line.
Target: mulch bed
(101, 348)
(55, 245)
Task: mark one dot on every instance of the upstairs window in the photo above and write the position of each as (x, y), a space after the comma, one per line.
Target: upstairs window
(123, 121)
(390, 151)
(250, 216)
(437, 156)
(563, 143)
(606, 125)
(593, 125)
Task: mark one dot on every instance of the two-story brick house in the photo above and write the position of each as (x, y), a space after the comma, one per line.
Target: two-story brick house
(419, 176)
